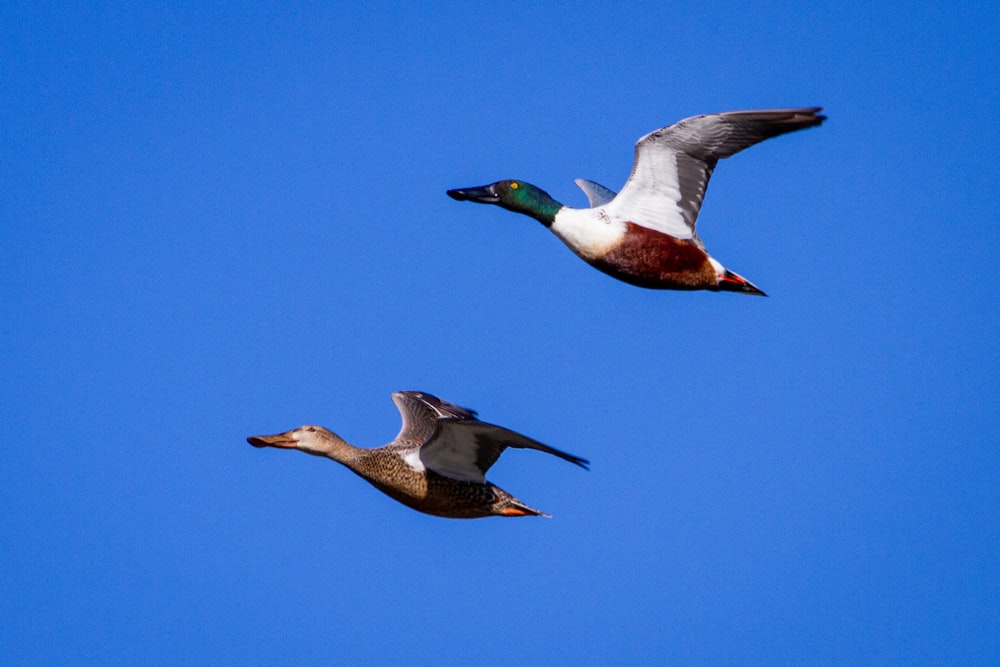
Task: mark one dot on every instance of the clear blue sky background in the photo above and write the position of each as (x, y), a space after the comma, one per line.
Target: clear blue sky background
(225, 221)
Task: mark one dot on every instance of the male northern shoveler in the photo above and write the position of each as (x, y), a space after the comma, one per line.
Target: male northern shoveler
(645, 234)
(438, 462)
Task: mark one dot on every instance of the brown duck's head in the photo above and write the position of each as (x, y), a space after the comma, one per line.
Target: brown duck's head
(310, 439)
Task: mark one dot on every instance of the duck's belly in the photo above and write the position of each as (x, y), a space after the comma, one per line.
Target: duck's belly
(633, 253)
(648, 258)
(441, 496)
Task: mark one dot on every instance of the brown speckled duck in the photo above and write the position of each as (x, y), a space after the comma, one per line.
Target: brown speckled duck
(645, 234)
(436, 465)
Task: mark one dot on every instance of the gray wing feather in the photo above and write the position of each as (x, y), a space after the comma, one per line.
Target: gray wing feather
(673, 164)
(597, 194)
(454, 443)
(420, 412)
(493, 440)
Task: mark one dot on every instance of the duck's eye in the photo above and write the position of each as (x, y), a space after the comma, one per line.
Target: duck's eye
(515, 185)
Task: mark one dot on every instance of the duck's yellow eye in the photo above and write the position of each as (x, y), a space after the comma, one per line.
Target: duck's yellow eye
(515, 186)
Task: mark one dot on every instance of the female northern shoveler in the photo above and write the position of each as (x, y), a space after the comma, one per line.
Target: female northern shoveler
(438, 462)
(645, 235)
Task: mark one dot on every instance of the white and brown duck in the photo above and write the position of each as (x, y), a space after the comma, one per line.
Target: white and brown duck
(645, 234)
(436, 465)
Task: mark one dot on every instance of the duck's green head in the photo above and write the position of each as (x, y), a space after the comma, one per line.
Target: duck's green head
(516, 196)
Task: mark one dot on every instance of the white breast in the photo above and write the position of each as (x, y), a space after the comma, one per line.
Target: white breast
(590, 232)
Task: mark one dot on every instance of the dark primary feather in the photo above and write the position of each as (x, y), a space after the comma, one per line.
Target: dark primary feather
(716, 136)
(491, 441)
(454, 442)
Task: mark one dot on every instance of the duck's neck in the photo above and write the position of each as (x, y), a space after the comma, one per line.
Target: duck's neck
(336, 448)
(539, 206)
(547, 214)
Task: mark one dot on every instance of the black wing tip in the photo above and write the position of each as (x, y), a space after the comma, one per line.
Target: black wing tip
(529, 443)
(572, 458)
(798, 111)
(814, 117)
(796, 119)
(800, 117)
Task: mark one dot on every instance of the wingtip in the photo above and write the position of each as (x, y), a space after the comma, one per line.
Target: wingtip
(798, 119)
(817, 117)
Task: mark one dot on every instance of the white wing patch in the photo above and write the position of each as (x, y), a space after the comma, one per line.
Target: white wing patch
(412, 459)
(653, 195)
(673, 164)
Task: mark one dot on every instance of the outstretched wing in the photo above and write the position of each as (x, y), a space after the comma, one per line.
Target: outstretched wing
(467, 449)
(420, 412)
(673, 164)
(455, 443)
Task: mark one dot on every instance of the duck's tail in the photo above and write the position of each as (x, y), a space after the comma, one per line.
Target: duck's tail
(516, 508)
(732, 282)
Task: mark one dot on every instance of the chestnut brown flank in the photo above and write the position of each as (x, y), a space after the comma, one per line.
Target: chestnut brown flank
(648, 258)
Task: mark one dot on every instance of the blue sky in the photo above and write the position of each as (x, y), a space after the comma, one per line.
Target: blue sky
(225, 221)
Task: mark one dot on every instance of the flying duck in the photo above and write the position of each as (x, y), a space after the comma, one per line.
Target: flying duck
(645, 235)
(436, 465)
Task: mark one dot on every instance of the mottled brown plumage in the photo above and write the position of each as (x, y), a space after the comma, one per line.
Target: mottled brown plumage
(436, 464)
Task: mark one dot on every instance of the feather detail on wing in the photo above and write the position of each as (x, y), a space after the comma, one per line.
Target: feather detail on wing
(673, 164)
(454, 442)
(420, 412)
(465, 450)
